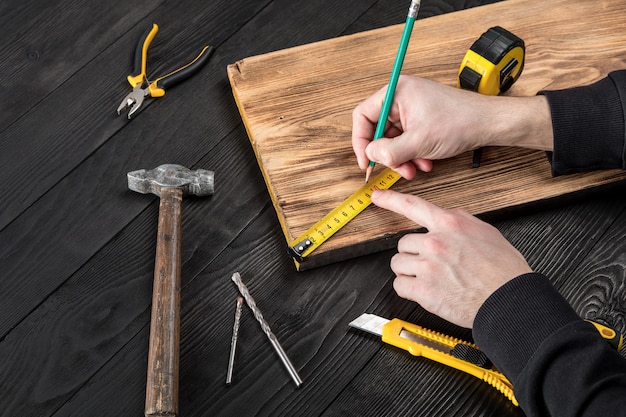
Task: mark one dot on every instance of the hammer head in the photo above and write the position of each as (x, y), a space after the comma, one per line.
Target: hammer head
(199, 182)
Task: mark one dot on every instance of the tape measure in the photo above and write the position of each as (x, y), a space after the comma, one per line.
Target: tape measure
(493, 63)
(491, 66)
(321, 231)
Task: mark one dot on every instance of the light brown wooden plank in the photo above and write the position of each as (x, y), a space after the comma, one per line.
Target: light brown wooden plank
(297, 104)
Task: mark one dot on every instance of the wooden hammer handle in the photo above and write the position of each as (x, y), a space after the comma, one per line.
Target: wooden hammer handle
(164, 349)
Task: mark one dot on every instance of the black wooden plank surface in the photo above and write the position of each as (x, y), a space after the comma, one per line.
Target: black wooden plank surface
(45, 43)
(77, 248)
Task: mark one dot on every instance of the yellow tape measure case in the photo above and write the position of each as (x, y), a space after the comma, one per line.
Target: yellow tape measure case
(493, 62)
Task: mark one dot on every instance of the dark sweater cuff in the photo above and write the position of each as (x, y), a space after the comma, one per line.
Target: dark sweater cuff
(517, 318)
(588, 126)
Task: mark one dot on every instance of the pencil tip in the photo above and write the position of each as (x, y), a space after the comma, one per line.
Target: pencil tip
(368, 172)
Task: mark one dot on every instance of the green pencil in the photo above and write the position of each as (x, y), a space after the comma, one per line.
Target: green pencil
(395, 74)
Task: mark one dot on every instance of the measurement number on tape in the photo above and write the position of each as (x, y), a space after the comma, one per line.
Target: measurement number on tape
(341, 215)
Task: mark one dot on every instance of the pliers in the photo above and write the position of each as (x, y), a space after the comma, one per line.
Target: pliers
(142, 87)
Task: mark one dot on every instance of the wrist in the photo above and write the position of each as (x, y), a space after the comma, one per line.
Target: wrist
(521, 121)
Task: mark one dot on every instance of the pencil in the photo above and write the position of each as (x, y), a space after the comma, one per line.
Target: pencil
(393, 80)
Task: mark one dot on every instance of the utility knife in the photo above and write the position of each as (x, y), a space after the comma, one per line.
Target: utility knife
(450, 351)
(438, 347)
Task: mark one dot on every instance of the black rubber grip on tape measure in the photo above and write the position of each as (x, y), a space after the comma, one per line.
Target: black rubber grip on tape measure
(469, 79)
(495, 43)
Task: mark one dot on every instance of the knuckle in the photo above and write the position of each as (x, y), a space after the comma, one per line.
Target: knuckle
(395, 259)
(455, 219)
(406, 242)
(412, 202)
(408, 288)
(434, 243)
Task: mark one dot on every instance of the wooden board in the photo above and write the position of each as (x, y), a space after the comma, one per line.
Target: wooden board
(297, 104)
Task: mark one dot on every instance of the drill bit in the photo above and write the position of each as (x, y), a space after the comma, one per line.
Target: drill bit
(233, 342)
(266, 329)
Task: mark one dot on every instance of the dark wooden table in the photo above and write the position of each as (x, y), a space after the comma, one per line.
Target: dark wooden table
(77, 247)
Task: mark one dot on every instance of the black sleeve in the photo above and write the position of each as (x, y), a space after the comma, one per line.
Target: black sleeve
(588, 124)
(558, 363)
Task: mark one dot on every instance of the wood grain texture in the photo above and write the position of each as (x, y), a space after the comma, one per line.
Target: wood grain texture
(164, 348)
(60, 131)
(297, 103)
(81, 162)
(596, 287)
(38, 58)
(345, 372)
(106, 302)
(77, 247)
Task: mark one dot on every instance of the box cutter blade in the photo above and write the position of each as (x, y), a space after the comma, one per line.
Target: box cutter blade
(438, 347)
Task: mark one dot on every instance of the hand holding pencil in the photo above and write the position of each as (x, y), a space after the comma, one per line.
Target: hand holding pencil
(431, 121)
(395, 74)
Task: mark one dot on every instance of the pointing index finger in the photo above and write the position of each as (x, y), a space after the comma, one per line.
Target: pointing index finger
(410, 206)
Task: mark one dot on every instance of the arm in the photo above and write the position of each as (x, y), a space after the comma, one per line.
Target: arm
(588, 124)
(430, 121)
(584, 126)
(557, 362)
(559, 365)
(465, 271)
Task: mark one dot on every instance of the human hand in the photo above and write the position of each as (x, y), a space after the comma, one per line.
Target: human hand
(429, 121)
(453, 268)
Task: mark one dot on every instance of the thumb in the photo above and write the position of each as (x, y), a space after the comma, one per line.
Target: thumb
(390, 152)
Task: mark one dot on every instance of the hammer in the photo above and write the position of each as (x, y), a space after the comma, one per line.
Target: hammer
(170, 182)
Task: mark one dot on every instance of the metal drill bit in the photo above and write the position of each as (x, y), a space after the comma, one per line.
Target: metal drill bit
(266, 329)
(233, 341)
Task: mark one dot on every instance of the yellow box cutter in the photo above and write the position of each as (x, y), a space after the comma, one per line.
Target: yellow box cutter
(438, 347)
(491, 66)
(451, 351)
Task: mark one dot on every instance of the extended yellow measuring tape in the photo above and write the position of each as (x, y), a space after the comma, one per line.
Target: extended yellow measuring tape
(492, 64)
(341, 215)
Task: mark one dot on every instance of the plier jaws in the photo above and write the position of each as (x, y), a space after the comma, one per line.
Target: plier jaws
(142, 87)
(133, 100)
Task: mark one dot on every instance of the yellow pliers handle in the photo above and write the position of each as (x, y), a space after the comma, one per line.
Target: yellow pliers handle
(435, 346)
(158, 86)
(141, 57)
